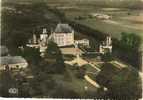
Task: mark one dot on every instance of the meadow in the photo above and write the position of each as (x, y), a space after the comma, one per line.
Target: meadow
(120, 22)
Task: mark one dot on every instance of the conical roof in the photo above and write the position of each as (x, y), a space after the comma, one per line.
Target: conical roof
(63, 28)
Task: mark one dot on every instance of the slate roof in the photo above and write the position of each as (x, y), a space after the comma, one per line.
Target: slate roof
(63, 28)
(12, 60)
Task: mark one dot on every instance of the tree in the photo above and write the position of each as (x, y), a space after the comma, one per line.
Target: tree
(18, 39)
(64, 92)
(41, 85)
(31, 55)
(107, 57)
(127, 48)
(126, 84)
(130, 41)
(122, 83)
(81, 72)
(53, 52)
(6, 82)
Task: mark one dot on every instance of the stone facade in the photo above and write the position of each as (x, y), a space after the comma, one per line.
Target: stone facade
(63, 35)
(106, 46)
(63, 39)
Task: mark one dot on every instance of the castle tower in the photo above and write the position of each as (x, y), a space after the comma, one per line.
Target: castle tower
(44, 36)
(34, 39)
(108, 41)
(44, 30)
(101, 49)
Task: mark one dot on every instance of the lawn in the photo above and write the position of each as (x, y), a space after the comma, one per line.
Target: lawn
(68, 57)
(111, 28)
(123, 20)
(72, 82)
(120, 82)
(89, 68)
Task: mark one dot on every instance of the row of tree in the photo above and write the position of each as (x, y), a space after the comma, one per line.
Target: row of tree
(122, 84)
(127, 48)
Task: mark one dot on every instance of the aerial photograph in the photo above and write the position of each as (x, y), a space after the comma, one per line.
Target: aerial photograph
(71, 49)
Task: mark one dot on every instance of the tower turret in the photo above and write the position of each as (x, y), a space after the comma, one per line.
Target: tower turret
(34, 39)
(44, 30)
(44, 36)
(108, 41)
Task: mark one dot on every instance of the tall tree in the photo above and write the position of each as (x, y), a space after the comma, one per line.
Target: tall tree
(130, 41)
(53, 53)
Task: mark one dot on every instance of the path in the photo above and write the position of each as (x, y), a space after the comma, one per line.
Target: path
(94, 83)
(118, 64)
(80, 60)
(86, 77)
(92, 65)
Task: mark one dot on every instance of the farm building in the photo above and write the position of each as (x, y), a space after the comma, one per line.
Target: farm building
(13, 62)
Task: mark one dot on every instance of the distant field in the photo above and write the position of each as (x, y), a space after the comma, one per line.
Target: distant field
(123, 20)
(120, 22)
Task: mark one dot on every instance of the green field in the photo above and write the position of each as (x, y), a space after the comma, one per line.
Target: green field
(118, 24)
(71, 81)
(123, 19)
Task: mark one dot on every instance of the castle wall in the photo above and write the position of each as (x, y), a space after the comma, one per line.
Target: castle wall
(63, 39)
